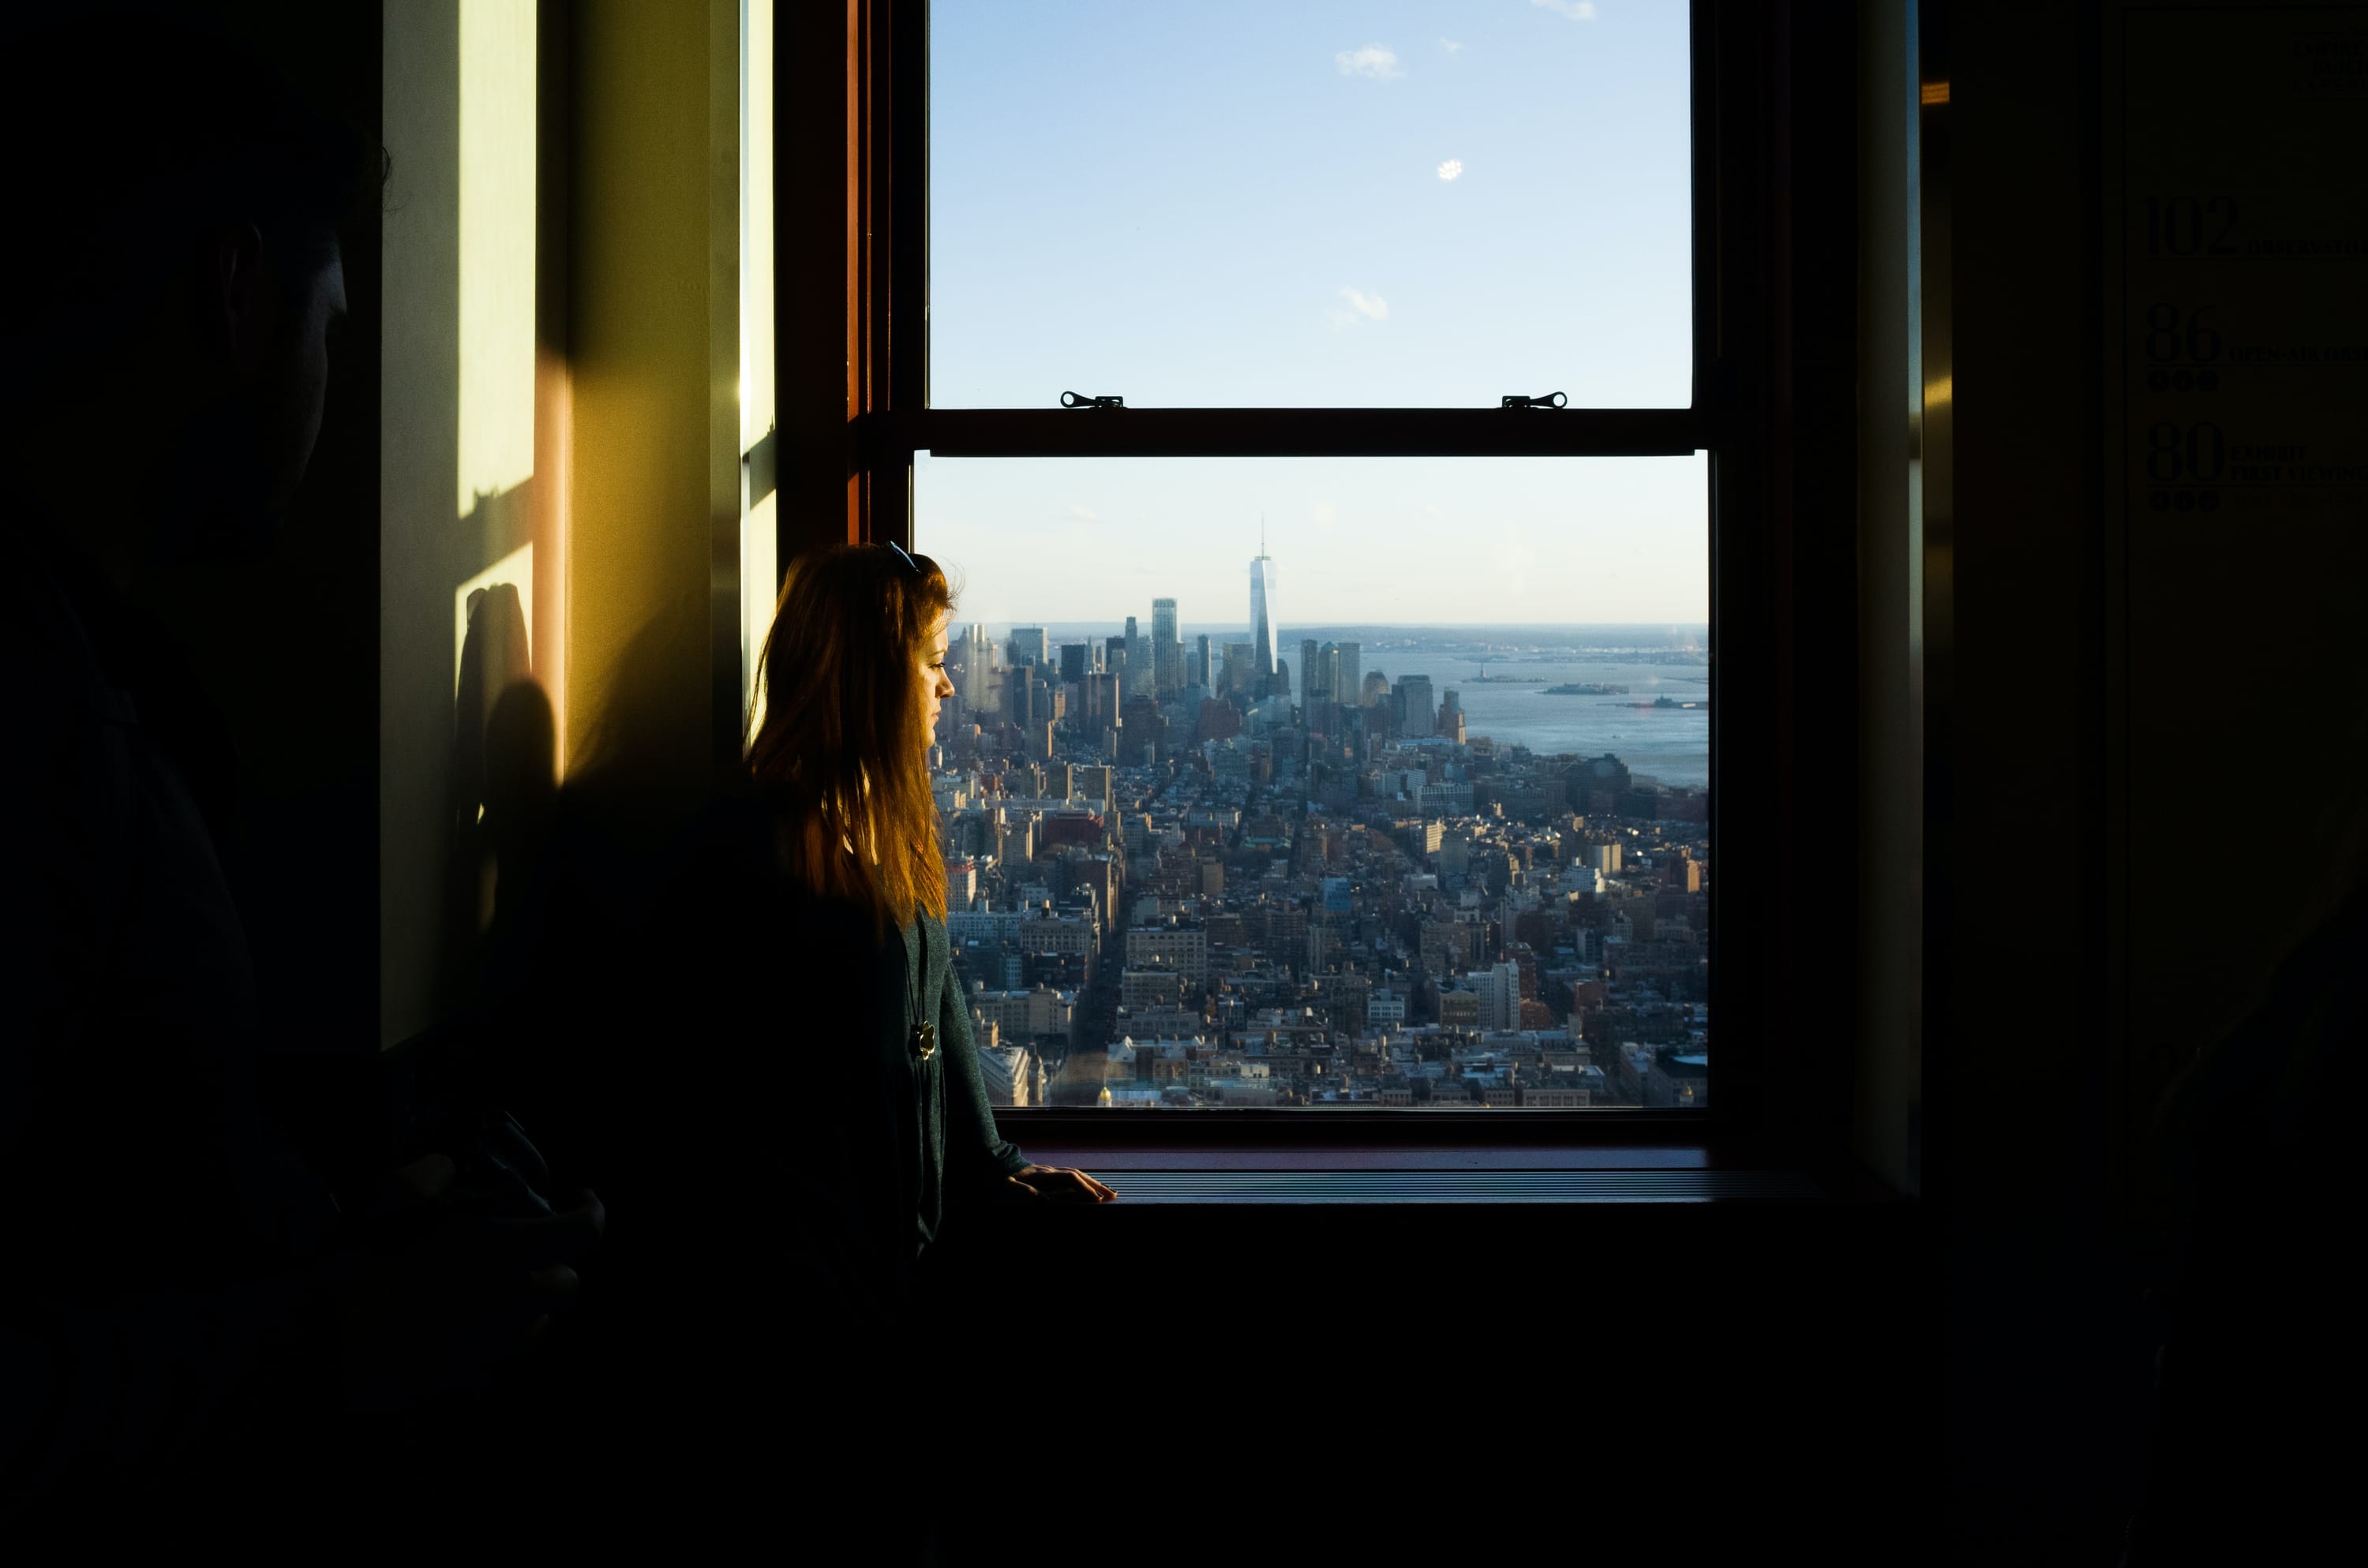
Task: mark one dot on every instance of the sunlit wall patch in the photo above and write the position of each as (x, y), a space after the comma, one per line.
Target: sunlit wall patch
(755, 222)
(497, 214)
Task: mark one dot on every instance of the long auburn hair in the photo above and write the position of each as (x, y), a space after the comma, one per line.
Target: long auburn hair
(842, 750)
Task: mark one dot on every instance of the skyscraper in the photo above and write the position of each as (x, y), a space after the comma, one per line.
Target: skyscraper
(1027, 645)
(1138, 661)
(1312, 689)
(978, 668)
(1265, 652)
(1450, 722)
(1166, 652)
(1347, 685)
(1237, 667)
(1419, 708)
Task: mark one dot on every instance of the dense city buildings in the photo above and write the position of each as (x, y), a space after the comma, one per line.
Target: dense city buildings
(1174, 886)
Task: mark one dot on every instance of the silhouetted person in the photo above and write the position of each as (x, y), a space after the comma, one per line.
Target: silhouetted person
(186, 1313)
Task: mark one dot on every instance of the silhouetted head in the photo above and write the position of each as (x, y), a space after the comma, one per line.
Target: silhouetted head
(852, 674)
(175, 208)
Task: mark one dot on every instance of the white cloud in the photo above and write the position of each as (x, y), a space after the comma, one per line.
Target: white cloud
(1434, 511)
(1373, 61)
(1084, 513)
(1362, 306)
(1450, 45)
(1576, 10)
(1451, 169)
(1323, 516)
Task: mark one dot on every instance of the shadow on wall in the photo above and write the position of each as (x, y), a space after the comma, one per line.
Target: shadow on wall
(505, 777)
(546, 883)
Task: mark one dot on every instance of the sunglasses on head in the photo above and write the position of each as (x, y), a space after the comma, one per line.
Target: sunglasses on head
(902, 556)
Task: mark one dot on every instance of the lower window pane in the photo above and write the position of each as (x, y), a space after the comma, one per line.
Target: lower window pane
(1329, 783)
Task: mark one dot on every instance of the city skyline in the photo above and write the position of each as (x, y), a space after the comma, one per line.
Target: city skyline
(1179, 879)
(1398, 542)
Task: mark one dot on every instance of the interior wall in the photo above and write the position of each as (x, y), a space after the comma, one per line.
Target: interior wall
(2129, 686)
(643, 282)
(419, 381)
(473, 505)
(2238, 692)
(596, 671)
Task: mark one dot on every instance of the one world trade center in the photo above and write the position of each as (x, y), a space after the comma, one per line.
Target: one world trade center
(1264, 649)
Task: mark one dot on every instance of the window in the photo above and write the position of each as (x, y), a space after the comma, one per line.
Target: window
(1333, 729)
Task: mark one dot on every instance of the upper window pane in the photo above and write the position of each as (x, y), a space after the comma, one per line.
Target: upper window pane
(1245, 205)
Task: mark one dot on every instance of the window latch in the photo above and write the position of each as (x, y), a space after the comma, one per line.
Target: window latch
(1079, 400)
(1551, 399)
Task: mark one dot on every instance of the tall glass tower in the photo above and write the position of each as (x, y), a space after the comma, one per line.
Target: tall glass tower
(1265, 651)
(1166, 652)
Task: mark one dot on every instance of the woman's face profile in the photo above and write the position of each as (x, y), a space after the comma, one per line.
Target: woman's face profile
(933, 685)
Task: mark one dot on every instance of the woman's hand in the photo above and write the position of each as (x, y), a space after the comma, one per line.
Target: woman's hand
(1058, 1186)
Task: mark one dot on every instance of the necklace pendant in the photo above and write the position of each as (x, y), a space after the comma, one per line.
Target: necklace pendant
(925, 1040)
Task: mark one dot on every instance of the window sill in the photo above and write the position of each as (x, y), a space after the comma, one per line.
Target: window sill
(1208, 1185)
(1506, 1158)
(1310, 1128)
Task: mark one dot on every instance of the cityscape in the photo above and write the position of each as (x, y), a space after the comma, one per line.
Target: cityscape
(1223, 866)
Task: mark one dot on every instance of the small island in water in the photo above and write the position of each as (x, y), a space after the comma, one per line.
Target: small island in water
(1481, 677)
(1586, 689)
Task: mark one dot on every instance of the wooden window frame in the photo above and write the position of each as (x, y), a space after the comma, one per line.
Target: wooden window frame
(1773, 247)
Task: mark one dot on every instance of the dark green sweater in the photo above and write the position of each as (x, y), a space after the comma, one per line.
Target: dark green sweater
(877, 1147)
(951, 1138)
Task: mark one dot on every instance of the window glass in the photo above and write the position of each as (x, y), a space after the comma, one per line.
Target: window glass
(1244, 204)
(1328, 782)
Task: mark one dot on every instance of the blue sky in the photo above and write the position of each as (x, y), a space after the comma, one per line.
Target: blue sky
(1216, 203)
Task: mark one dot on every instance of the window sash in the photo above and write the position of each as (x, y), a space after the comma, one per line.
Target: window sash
(1288, 433)
(891, 51)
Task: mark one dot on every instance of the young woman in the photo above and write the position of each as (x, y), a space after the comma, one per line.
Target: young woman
(853, 889)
